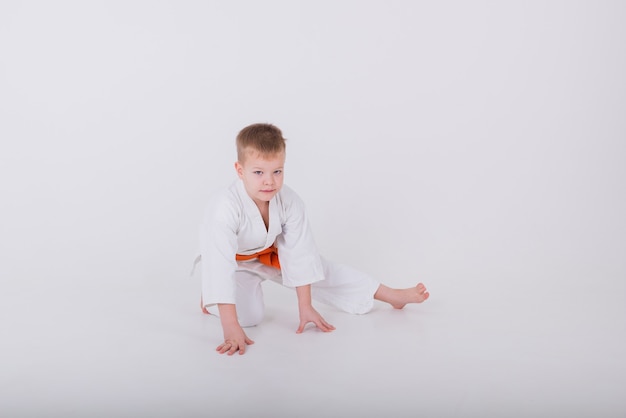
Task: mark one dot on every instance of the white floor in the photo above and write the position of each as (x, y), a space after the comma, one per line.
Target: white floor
(475, 349)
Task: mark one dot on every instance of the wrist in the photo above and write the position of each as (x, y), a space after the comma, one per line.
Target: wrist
(303, 306)
(304, 295)
(228, 315)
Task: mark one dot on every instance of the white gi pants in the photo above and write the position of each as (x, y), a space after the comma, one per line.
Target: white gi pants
(344, 288)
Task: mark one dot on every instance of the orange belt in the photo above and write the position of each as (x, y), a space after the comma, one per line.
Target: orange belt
(268, 256)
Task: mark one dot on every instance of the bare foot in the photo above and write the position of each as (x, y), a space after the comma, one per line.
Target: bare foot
(400, 297)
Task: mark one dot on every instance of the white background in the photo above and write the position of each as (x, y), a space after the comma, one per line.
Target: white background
(476, 146)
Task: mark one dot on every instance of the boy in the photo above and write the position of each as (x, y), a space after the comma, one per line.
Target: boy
(257, 229)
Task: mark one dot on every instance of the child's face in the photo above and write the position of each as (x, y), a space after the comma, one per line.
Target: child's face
(262, 175)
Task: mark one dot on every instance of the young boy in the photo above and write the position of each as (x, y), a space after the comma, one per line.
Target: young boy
(257, 229)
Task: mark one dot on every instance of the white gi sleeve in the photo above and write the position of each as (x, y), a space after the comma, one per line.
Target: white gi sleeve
(300, 262)
(218, 247)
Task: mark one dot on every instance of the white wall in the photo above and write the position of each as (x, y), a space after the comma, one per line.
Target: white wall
(463, 142)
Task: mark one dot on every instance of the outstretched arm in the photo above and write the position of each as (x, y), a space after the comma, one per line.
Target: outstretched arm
(307, 312)
(234, 337)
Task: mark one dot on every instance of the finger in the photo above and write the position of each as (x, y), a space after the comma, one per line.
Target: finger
(301, 327)
(225, 346)
(249, 341)
(222, 348)
(330, 327)
(222, 345)
(326, 323)
(233, 348)
(324, 326)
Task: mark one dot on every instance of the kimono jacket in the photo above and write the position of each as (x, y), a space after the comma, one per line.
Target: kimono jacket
(232, 224)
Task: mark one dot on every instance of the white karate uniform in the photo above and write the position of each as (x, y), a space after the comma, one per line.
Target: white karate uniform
(232, 224)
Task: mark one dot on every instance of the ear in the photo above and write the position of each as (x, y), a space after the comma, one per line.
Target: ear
(239, 169)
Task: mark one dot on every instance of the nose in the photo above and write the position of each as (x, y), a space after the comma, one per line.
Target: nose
(269, 180)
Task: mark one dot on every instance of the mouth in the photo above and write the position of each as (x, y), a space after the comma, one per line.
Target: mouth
(267, 191)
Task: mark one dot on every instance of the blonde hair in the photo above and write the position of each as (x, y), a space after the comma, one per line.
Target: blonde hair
(264, 138)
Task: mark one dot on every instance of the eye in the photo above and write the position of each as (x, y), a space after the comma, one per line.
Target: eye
(258, 173)
(278, 171)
